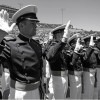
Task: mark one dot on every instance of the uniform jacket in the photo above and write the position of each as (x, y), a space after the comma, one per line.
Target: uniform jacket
(89, 59)
(24, 57)
(55, 56)
(61, 58)
(75, 62)
(97, 54)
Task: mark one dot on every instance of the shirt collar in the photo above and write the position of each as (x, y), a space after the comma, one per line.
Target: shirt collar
(22, 37)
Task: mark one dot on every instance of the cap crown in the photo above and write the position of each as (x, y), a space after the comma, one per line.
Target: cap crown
(25, 10)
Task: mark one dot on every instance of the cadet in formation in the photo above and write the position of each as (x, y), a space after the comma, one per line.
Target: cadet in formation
(79, 60)
(22, 53)
(58, 56)
(72, 63)
(55, 57)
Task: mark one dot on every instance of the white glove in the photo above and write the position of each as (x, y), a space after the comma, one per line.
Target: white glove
(66, 30)
(50, 36)
(91, 41)
(78, 46)
(4, 24)
(4, 21)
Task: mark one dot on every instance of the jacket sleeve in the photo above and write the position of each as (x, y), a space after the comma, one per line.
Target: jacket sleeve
(74, 58)
(4, 51)
(54, 50)
(89, 51)
(89, 58)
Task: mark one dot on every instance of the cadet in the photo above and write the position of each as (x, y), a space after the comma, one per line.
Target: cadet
(48, 78)
(56, 59)
(75, 67)
(5, 79)
(23, 53)
(97, 53)
(89, 67)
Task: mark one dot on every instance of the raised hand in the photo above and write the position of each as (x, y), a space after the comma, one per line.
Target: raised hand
(78, 46)
(5, 29)
(50, 36)
(91, 41)
(4, 22)
(66, 30)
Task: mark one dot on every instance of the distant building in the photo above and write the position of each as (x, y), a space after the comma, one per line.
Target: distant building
(9, 9)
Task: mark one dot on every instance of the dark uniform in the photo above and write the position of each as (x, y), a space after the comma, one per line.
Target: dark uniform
(75, 69)
(56, 58)
(24, 56)
(89, 68)
(58, 66)
(97, 53)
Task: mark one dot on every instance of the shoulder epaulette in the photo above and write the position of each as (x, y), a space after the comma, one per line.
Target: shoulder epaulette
(10, 38)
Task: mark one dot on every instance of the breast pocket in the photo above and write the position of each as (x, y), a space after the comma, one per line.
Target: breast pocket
(16, 52)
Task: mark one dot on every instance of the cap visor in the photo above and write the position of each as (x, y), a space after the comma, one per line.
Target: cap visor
(32, 19)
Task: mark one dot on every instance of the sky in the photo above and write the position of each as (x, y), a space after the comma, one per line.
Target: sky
(84, 14)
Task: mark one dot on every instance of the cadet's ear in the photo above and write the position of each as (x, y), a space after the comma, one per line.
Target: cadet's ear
(21, 25)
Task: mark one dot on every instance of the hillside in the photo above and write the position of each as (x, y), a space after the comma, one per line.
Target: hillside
(43, 30)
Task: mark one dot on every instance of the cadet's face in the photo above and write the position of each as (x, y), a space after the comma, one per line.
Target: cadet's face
(59, 35)
(87, 43)
(30, 28)
(73, 45)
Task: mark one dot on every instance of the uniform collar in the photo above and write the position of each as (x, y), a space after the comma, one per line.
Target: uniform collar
(22, 37)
